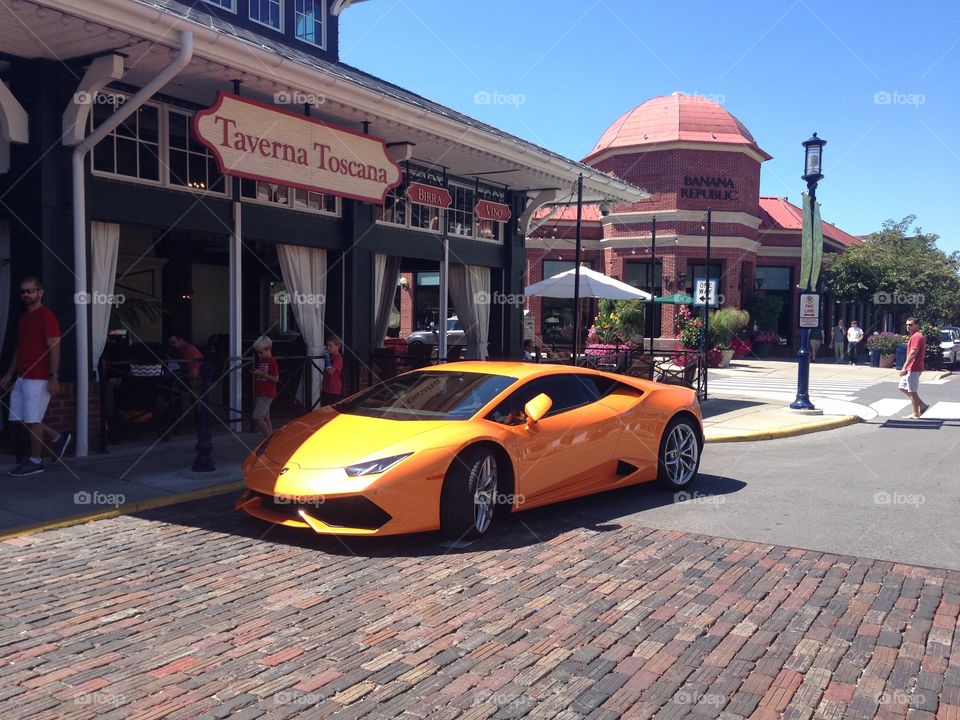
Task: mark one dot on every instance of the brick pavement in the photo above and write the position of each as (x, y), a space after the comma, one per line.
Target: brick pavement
(186, 612)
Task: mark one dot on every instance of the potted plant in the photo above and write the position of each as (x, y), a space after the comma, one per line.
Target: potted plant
(883, 346)
(762, 340)
(726, 323)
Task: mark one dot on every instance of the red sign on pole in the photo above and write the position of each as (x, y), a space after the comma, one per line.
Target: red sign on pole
(429, 195)
(489, 210)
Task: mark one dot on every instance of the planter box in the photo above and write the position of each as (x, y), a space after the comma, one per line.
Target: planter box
(886, 361)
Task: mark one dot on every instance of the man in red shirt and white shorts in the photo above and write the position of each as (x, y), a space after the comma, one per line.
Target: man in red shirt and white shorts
(912, 367)
(36, 366)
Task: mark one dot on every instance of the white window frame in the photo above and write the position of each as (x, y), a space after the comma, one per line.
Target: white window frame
(260, 22)
(336, 212)
(453, 188)
(217, 3)
(323, 24)
(161, 145)
(165, 175)
(164, 151)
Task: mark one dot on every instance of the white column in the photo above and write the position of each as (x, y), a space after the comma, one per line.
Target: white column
(444, 292)
(236, 324)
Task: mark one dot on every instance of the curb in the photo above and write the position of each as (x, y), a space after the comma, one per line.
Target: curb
(127, 509)
(793, 431)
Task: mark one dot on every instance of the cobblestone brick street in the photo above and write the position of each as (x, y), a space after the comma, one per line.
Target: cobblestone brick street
(187, 611)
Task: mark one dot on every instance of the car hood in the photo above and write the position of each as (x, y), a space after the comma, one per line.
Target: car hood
(329, 439)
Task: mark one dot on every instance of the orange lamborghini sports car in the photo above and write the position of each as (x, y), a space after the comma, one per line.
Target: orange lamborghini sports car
(444, 447)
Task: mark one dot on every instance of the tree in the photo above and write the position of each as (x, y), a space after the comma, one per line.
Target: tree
(900, 269)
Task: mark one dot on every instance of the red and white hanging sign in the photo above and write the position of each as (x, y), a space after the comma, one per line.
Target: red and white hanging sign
(489, 210)
(257, 141)
(429, 195)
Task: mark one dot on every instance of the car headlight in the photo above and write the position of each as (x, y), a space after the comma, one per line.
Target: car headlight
(373, 467)
(262, 447)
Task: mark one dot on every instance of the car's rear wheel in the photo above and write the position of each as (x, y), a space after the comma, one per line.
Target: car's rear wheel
(679, 457)
(469, 495)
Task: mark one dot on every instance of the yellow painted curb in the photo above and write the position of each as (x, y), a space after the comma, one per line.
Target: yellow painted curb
(944, 374)
(127, 509)
(792, 431)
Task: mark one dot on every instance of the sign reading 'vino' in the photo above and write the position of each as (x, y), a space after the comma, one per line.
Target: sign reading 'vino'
(259, 142)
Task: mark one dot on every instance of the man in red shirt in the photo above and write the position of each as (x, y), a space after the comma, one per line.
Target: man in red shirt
(182, 350)
(36, 367)
(912, 367)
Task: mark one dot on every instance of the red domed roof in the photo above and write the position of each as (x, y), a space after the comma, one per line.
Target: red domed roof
(672, 118)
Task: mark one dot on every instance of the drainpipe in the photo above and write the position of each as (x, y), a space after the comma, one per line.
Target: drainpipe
(80, 227)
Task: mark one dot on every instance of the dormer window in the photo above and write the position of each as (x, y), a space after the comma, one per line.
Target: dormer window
(308, 19)
(225, 4)
(267, 12)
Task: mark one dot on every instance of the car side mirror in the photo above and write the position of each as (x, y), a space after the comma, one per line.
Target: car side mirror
(537, 408)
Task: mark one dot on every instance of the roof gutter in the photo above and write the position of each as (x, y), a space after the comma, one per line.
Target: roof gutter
(125, 110)
(141, 20)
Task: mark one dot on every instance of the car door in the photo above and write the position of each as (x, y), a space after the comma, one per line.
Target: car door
(570, 446)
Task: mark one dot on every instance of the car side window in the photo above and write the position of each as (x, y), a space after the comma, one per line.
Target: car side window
(567, 392)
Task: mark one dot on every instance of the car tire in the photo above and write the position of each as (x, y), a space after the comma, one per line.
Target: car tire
(678, 459)
(469, 495)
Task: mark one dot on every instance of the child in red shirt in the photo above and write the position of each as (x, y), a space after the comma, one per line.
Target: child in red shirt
(267, 374)
(332, 387)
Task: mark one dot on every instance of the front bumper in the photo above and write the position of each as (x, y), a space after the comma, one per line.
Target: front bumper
(404, 499)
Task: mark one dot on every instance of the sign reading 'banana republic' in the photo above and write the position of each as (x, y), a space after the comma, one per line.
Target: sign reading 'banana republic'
(256, 141)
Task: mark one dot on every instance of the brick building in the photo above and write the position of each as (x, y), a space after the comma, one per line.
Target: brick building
(689, 154)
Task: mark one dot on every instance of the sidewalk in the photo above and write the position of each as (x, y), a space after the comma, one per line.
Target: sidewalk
(759, 410)
(130, 477)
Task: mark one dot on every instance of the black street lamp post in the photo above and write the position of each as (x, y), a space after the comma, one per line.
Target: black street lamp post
(812, 165)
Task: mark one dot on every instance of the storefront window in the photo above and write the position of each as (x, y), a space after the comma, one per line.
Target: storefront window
(394, 209)
(308, 16)
(294, 198)
(490, 230)
(425, 217)
(772, 278)
(426, 300)
(699, 272)
(191, 164)
(649, 278)
(267, 12)
(460, 212)
(225, 4)
(133, 148)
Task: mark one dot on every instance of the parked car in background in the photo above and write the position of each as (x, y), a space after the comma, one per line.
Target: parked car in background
(432, 337)
(950, 346)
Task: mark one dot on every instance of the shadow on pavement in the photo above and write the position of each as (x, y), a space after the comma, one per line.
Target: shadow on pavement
(603, 512)
(720, 406)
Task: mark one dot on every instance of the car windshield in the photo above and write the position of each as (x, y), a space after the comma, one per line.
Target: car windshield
(453, 324)
(946, 336)
(428, 395)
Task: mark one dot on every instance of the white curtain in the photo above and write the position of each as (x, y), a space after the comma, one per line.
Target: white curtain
(470, 292)
(304, 273)
(386, 269)
(104, 245)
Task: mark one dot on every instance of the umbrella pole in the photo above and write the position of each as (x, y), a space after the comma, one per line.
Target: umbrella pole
(653, 280)
(576, 275)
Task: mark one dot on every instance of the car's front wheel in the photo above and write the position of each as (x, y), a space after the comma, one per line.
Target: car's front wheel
(679, 457)
(469, 495)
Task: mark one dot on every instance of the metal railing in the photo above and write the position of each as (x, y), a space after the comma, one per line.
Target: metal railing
(148, 396)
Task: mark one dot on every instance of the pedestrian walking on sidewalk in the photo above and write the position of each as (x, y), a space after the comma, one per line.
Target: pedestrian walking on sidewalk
(854, 336)
(839, 335)
(36, 367)
(267, 374)
(912, 367)
(816, 338)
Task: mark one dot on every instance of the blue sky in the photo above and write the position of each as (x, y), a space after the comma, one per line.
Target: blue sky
(880, 81)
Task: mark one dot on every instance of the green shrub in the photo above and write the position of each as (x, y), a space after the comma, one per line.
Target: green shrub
(765, 310)
(727, 324)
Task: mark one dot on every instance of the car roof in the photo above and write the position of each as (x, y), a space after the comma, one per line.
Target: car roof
(511, 368)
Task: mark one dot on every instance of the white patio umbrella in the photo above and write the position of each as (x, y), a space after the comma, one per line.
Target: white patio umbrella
(592, 284)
